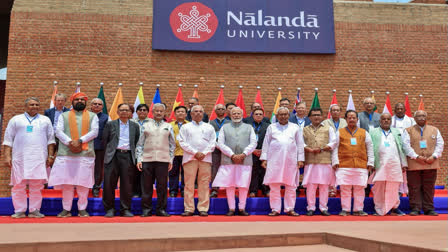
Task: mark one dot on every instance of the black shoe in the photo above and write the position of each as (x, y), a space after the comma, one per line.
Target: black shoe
(325, 213)
(243, 213)
(214, 194)
(273, 213)
(96, 192)
(414, 213)
(146, 213)
(310, 213)
(292, 213)
(432, 213)
(203, 214)
(110, 213)
(186, 214)
(126, 213)
(182, 194)
(173, 194)
(136, 195)
(230, 213)
(162, 213)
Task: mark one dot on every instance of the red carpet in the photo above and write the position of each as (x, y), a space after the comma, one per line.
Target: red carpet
(218, 218)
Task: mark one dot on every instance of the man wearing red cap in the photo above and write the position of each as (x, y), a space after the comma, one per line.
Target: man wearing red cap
(73, 168)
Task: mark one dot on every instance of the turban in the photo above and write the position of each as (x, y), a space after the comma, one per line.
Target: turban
(78, 95)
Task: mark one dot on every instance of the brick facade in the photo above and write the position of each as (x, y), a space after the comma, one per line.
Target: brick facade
(382, 47)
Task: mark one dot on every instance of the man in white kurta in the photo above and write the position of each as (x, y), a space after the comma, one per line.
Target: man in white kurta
(320, 140)
(236, 141)
(282, 155)
(72, 168)
(390, 160)
(401, 121)
(29, 148)
(352, 159)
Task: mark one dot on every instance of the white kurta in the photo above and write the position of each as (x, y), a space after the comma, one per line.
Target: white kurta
(353, 176)
(29, 147)
(402, 123)
(69, 170)
(282, 148)
(390, 161)
(321, 173)
(234, 175)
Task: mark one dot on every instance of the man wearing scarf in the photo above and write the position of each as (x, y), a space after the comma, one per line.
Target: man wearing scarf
(74, 165)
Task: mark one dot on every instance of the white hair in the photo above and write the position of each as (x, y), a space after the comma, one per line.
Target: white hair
(282, 108)
(199, 106)
(236, 108)
(158, 105)
(420, 111)
(216, 106)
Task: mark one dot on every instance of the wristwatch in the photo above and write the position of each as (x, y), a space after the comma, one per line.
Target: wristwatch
(52, 157)
(80, 140)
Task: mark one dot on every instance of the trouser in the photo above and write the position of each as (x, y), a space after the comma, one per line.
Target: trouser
(421, 189)
(154, 171)
(68, 192)
(216, 163)
(275, 198)
(121, 167)
(174, 175)
(242, 196)
(385, 196)
(358, 197)
(311, 196)
(99, 169)
(19, 197)
(258, 172)
(203, 170)
(404, 185)
(136, 183)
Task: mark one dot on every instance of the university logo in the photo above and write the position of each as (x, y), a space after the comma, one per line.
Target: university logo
(193, 22)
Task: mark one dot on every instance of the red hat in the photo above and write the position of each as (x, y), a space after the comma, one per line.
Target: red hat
(78, 95)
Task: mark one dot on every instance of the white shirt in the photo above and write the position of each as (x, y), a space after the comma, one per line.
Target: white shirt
(123, 140)
(92, 134)
(402, 123)
(197, 137)
(410, 152)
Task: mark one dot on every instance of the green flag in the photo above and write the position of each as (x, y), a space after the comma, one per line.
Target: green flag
(101, 96)
(316, 103)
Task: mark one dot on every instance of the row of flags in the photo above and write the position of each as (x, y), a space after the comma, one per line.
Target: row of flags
(179, 101)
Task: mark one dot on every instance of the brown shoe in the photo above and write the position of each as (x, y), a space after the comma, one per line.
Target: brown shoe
(292, 213)
(252, 195)
(274, 213)
(243, 213)
(203, 214)
(231, 212)
(186, 214)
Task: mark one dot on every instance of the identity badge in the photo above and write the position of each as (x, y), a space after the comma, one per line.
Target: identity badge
(217, 134)
(256, 136)
(29, 128)
(386, 144)
(423, 144)
(353, 141)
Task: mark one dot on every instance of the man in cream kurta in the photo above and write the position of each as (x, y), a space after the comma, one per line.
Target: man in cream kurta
(236, 141)
(29, 146)
(282, 155)
(390, 160)
(75, 161)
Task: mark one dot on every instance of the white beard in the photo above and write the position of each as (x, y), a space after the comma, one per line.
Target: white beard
(237, 120)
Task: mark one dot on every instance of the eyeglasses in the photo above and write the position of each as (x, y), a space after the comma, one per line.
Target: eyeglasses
(142, 110)
(315, 115)
(258, 114)
(220, 109)
(97, 104)
(124, 110)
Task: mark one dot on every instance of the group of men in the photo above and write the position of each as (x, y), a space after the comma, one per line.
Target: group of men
(249, 154)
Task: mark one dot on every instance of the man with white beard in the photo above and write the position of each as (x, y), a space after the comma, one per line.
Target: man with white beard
(282, 155)
(236, 141)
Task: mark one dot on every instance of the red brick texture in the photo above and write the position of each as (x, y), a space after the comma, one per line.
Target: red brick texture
(91, 48)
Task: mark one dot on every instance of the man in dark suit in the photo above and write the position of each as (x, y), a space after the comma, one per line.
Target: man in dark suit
(191, 103)
(120, 138)
(300, 117)
(250, 119)
(57, 110)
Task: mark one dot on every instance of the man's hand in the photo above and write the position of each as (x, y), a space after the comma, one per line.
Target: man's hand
(403, 169)
(75, 146)
(264, 164)
(421, 160)
(139, 166)
(430, 160)
(326, 148)
(50, 161)
(257, 152)
(335, 167)
(370, 168)
(308, 149)
(170, 166)
(300, 164)
(199, 156)
(316, 150)
(8, 161)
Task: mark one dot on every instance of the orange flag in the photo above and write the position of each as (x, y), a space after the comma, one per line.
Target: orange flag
(333, 101)
(195, 92)
(178, 102)
(55, 91)
(240, 102)
(421, 106)
(220, 100)
(407, 106)
(114, 108)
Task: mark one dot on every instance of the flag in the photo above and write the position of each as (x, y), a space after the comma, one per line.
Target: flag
(155, 100)
(276, 106)
(387, 106)
(350, 103)
(103, 98)
(258, 99)
(240, 102)
(407, 106)
(298, 99)
(78, 88)
(333, 102)
(113, 113)
(140, 99)
(220, 100)
(195, 92)
(315, 103)
(178, 102)
(373, 98)
(421, 106)
(55, 91)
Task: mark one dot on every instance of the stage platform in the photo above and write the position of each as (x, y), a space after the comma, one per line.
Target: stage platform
(52, 204)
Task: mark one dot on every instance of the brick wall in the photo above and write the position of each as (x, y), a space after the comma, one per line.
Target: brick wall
(382, 47)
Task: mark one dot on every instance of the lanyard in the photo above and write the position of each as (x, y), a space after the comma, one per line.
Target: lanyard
(388, 133)
(370, 117)
(30, 121)
(336, 125)
(179, 124)
(220, 124)
(256, 128)
(141, 122)
(421, 132)
(351, 132)
(300, 121)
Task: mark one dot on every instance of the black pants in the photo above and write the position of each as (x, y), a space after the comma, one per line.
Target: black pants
(421, 189)
(258, 172)
(121, 167)
(137, 185)
(154, 171)
(174, 175)
(99, 169)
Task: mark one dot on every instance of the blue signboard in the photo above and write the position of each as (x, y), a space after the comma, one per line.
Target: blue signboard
(271, 26)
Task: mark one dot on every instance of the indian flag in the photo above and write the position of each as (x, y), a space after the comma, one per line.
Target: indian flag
(140, 99)
(276, 106)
